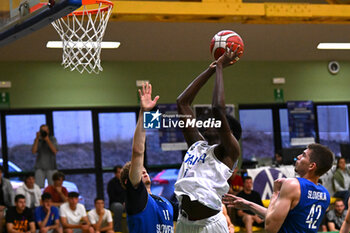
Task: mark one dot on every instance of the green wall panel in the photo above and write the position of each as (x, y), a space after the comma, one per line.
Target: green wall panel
(47, 84)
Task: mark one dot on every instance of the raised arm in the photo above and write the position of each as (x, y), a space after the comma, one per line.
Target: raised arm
(35, 144)
(138, 146)
(228, 149)
(286, 193)
(185, 99)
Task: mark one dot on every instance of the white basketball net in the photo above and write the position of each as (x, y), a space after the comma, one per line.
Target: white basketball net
(81, 37)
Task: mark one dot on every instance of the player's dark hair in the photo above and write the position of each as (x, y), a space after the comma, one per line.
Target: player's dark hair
(19, 196)
(31, 174)
(116, 168)
(46, 196)
(98, 199)
(322, 156)
(125, 174)
(247, 178)
(73, 194)
(338, 161)
(338, 200)
(1, 168)
(58, 176)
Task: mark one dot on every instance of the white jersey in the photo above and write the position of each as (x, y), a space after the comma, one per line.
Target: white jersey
(202, 176)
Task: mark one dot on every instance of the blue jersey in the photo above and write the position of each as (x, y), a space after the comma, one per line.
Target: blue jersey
(157, 217)
(148, 213)
(307, 215)
(40, 215)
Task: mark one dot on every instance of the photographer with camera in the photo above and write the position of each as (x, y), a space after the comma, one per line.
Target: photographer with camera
(46, 147)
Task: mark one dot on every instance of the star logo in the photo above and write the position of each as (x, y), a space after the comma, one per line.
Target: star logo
(151, 120)
(155, 115)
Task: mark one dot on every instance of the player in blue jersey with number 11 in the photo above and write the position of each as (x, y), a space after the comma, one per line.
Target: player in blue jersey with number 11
(298, 204)
(147, 213)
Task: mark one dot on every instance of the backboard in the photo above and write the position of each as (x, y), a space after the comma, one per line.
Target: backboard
(21, 17)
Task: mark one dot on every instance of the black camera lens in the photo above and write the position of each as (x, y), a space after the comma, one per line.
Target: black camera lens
(43, 133)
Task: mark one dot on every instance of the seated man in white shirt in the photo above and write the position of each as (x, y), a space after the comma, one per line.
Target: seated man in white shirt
(31, 191)
(101, 218)
(73, 216)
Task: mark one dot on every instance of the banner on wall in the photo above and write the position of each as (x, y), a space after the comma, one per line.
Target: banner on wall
(263, 178)
(301, 119)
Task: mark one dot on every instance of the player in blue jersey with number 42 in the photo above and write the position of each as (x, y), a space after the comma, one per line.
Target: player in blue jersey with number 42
(298, 204)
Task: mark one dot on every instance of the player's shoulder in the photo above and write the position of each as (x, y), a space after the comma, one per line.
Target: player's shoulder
(200, 143)
(291, 184)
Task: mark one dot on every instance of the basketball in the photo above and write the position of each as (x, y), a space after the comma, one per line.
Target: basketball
(223, 38)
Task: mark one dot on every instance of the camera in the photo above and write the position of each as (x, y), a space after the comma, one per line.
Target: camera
(43, 133)
(333, 67)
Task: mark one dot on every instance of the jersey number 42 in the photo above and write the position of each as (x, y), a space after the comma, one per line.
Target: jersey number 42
(314, 215)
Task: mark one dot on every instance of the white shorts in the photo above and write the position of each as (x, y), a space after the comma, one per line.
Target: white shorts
(216, 223)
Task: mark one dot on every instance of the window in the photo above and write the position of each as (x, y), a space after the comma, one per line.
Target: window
(73, 131)
(21, 131)
(155, 155)
(333, 126)
(85, 185)
(284, 128)
(257, 134)
(116, 135)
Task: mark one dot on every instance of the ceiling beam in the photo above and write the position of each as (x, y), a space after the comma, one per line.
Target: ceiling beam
(230, 11)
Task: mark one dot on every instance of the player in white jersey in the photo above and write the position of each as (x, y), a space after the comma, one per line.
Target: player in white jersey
(210, 160)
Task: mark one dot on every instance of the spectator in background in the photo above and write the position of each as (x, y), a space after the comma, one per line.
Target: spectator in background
(278, 159)
(7, 196)
(31, 191)
(19, 218)
(341, 181)
(336, 217)
(47, 216)
(58, 193)
(323, 226)
(73, 216)
(116, 195)
(101, 218)
(235, 182)
(247, 218)
(46, 147)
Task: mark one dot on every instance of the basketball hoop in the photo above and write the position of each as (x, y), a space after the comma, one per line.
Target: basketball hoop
(81, 33)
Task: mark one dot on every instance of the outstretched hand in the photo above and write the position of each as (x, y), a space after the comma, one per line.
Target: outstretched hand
(146, 101)
(230, 55)
(236, 202)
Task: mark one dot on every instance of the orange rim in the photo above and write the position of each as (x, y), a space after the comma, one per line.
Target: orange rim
(107, 4)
